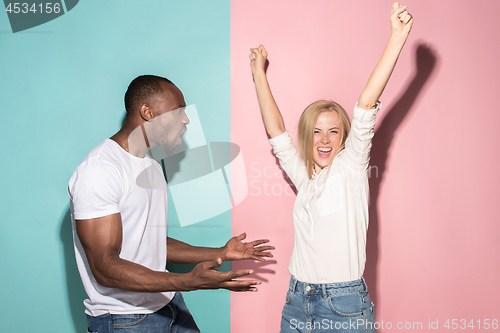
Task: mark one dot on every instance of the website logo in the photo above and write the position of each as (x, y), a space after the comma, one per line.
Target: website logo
(205, 178)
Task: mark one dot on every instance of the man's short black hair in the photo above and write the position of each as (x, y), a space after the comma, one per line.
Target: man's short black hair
(142, 89)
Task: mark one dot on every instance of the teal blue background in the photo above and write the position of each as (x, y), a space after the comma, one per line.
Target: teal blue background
(61, 93)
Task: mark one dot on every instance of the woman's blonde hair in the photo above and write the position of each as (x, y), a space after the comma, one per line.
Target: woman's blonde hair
(307, 123)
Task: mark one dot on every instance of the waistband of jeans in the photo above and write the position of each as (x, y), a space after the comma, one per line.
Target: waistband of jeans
(339, 287)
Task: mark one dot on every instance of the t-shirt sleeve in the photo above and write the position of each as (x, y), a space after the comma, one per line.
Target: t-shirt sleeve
(95, 190)
(289, 157)
(359, 142)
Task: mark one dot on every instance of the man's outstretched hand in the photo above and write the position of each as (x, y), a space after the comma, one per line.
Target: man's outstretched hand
(236, 249)
(205, 276)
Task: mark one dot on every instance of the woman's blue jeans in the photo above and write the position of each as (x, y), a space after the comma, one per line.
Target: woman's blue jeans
(172, 318)
(335, 307)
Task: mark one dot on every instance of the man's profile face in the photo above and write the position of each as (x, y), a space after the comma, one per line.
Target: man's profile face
(169, 119)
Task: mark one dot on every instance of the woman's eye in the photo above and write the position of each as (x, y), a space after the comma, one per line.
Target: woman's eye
(316, 132)
(334, 132)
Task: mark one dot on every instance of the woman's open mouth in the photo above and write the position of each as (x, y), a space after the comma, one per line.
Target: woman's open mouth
(324, 152)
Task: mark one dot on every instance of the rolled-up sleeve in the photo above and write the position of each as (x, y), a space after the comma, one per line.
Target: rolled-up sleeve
(359, 142)
(289, 157)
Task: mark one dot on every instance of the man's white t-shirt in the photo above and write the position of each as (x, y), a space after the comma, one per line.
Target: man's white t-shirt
(108, 181)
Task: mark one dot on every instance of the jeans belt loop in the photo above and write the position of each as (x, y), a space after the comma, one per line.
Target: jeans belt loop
(323, 286)
(294, 285)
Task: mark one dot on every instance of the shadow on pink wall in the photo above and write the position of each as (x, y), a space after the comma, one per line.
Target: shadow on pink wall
(426, 60)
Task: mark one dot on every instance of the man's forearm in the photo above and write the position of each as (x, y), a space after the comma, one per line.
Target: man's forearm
(181, 253)
(119, 273)
(114, 272)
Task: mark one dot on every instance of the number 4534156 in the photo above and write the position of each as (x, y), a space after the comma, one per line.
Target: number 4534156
(472, 324)
(25, 8)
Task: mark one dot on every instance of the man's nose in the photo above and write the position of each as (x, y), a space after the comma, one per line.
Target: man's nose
(185, 120)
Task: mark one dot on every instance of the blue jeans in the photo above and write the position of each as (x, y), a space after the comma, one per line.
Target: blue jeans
(335, 307)
(172, 318)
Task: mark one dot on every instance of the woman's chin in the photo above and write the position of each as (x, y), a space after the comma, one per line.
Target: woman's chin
(320, 166)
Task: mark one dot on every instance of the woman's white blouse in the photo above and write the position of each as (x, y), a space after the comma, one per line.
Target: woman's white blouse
(330, 214)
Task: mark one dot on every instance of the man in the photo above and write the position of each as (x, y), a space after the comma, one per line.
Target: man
(120, 224)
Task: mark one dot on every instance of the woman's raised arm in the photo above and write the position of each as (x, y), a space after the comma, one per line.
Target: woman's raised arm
(401, 23)
(270, 113)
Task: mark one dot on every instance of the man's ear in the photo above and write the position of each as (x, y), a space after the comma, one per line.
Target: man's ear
(146, 112)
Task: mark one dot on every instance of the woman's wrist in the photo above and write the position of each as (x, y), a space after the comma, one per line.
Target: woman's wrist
(398, 39)
(259, 73)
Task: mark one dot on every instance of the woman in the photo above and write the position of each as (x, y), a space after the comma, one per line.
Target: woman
(327, 291)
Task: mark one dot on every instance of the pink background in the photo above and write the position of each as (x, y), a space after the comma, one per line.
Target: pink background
(433, 250)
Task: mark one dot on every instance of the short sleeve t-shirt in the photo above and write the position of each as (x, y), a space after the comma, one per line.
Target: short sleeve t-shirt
(109, 181)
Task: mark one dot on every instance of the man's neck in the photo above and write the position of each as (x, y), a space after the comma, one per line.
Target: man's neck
(132, 139)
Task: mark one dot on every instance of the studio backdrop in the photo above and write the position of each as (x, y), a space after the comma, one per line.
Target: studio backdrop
(432, 253)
